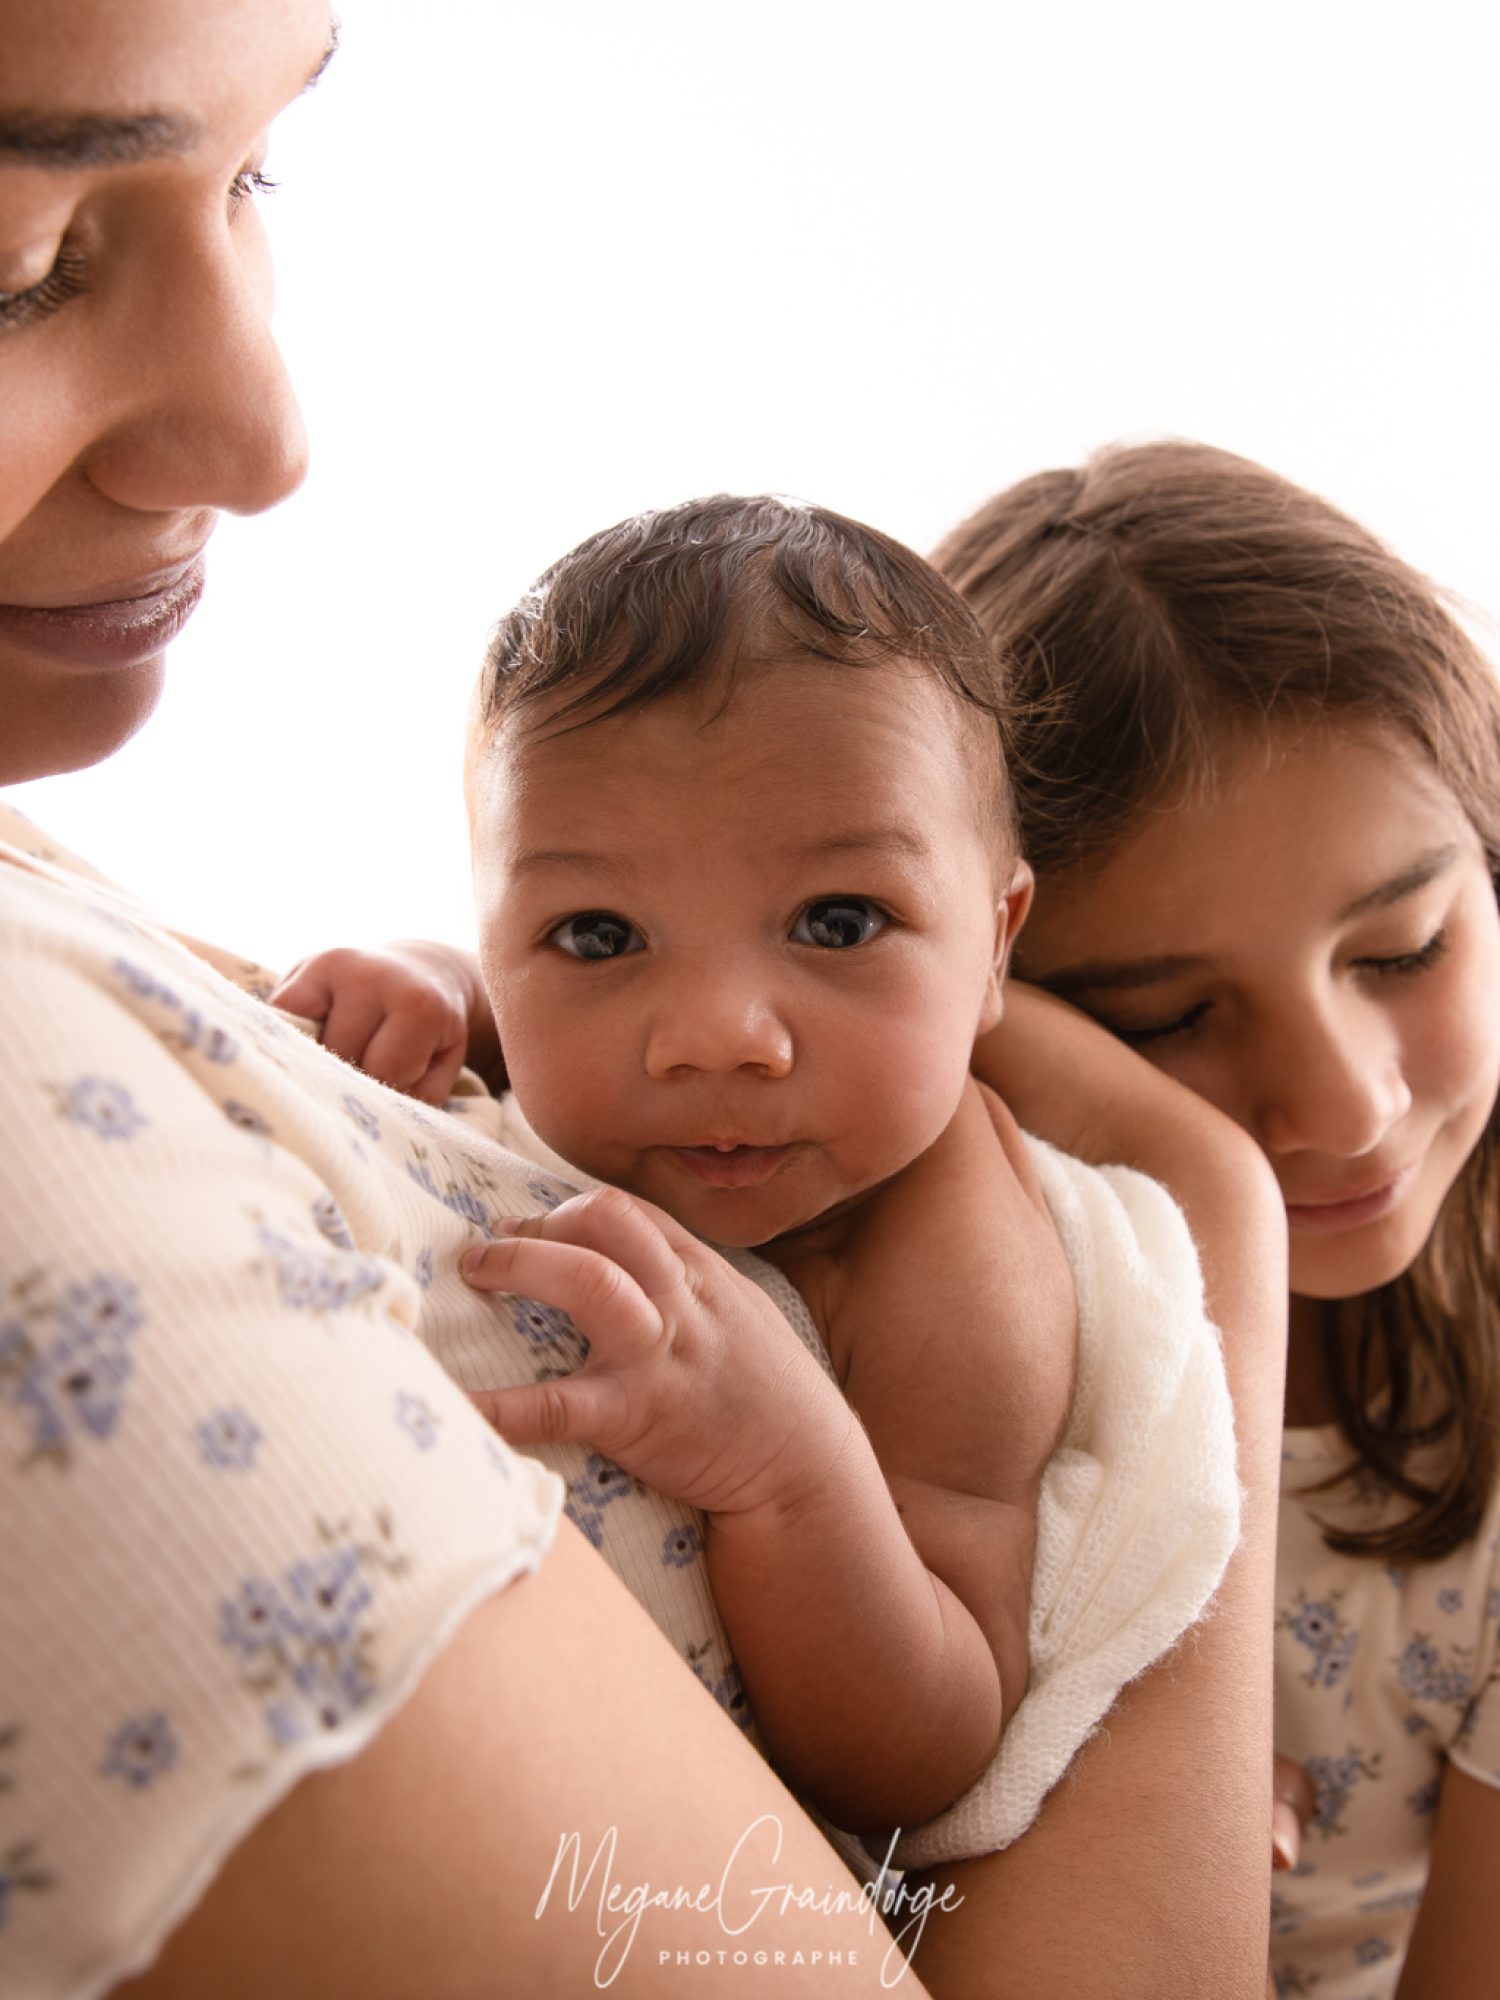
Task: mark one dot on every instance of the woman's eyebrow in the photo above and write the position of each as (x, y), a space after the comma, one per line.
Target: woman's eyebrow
(1426, 868)
(102, 139)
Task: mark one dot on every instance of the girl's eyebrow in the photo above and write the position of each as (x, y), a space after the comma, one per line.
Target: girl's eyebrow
(1426, 868)
(102, 139)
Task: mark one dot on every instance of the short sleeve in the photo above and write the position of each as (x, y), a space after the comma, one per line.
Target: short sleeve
(1475, 1748)
(244, 1507)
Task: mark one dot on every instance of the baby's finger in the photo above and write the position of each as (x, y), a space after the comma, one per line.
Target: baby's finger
(577, 1409)
(641, 1239)
(306, 991)
(436, 1087)
(1294, 1800)
(402, 1048)
(357, 1011)
(603, 1301)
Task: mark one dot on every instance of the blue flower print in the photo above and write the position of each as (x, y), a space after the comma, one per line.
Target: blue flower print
(310, 1282)
(1334, 1780)
(305, 1640)
(416, 1419)
(1450, 1600)
(1371, 1950)
(601, 1481)
(1423, 1673)
(364, 1118)
(75, 1380)
(325, 1596)
(229, 1439)
(330, 1222)
(496, 1456)
(1423, 1802)
(729, 1693)
(18, 1870)
(1492, 1605)
(546, 1327)
(682, 1546)
(422, 1269)
(141, 1751)
(461, 1200)
(104, 1107)
(246, 1117)
(587, 1520)
(549, 1194)
(105, 1309)
(1318, 1625)
(250, 1623)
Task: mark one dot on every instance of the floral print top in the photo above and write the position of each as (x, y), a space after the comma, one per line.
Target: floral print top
(244, 1506)
(1384, 1674)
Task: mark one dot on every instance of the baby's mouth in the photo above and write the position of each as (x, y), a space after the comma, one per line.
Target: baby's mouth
(731, 1166)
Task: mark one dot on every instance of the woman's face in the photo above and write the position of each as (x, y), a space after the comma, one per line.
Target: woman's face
(140, 391)
(1315, 948)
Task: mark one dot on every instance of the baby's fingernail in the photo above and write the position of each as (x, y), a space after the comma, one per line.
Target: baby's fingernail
(470, 1261)
(510, 1225)
(1286, 1836)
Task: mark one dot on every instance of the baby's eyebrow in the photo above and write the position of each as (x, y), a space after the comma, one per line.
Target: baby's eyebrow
(568, 857)
(878, 839)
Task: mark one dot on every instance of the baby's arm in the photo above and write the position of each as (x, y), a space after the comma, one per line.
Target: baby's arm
(950, 1315)
(876, 1690)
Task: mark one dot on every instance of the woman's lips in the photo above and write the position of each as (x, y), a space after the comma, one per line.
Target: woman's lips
(123, 632)
(1329, 1218)
(732, 1166)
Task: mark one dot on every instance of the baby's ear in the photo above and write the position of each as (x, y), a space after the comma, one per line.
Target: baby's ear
(1010, 914)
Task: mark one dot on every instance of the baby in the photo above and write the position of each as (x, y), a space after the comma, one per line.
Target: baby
(747, 880)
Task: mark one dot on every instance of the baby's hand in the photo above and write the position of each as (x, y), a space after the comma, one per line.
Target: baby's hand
(694, 1381)
(400, 1014)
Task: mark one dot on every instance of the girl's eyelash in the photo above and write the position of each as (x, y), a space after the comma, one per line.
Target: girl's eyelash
(68, 277)
(64, 281)
(1181, 1026)
(1409, 961)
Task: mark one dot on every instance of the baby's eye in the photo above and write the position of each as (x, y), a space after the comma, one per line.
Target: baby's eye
(596, 934)
(838, 922)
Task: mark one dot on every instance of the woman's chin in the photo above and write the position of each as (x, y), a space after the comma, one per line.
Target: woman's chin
(56, 724)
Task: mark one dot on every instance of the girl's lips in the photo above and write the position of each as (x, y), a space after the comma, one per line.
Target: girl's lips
(1329, 1218)
(738, 1167)
(121, 633)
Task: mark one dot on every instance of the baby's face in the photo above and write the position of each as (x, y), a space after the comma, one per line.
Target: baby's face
(738, 960)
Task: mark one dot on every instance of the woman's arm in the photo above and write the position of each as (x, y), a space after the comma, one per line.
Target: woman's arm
(430, 1862)
(1146, 1875)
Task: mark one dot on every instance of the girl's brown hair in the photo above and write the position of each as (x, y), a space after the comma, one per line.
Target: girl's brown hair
(1153, 603)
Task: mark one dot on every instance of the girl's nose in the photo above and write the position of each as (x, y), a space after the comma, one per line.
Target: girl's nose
(1333, 1084)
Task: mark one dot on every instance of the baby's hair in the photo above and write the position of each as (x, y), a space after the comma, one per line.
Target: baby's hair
(691, 597)
(1157, 606)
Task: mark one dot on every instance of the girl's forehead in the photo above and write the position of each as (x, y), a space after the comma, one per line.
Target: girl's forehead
(1291, 826)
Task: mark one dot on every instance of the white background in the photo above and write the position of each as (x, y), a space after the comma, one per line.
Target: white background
(544, 262)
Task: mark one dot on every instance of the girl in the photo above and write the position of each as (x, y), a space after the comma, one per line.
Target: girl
(1260, 786)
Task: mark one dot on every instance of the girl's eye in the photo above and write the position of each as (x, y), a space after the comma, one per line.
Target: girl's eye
(1182, 1025)
(63, 282)
(1409, 961)
(596, 934)
(839, 922)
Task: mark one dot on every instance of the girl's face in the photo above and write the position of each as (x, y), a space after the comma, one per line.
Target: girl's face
(1314, 948)
(140, 392)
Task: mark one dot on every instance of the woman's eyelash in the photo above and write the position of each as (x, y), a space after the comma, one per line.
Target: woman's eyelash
(250, 181)
(1410, 961)
(64, 281)
(68, 277)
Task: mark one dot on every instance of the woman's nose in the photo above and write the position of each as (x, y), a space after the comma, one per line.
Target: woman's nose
(1332, 1083)
(714, 1023)
(206, 416)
